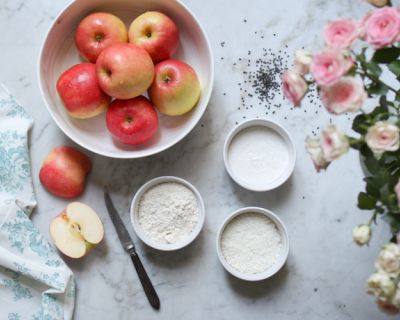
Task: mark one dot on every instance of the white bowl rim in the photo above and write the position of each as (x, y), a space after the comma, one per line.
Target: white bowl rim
(128, 155)
(269, 272)
(279, 129)
(142, 235)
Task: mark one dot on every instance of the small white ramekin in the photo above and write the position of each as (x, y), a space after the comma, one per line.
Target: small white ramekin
(141, 233)
(278, 129)
(280, 261)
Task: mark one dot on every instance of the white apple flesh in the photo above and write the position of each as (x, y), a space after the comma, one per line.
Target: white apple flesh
(76, 230)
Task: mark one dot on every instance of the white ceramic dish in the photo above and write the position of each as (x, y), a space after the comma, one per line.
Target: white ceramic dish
(279, 263)
(142, 235)
(288, 170)
(58, 53)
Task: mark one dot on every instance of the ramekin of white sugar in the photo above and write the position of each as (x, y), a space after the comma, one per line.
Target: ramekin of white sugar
(252, 244)
(167, 213)
(259, 154)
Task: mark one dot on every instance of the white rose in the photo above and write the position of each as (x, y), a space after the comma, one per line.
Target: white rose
(302, 61)
(362, 234)
(334, 143)
(314, 149)
(382, 136)
(396, 297)
(389, 259)
(381, 285)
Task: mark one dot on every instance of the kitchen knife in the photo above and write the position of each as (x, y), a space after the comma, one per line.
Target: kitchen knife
(129, 247)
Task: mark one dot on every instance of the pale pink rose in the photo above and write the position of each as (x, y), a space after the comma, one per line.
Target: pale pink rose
(397, 191)
(382, 136)
(382, 27)
(334, 143)
(346, 95)
(302, 61)
(329, 65)
(378, 3)
(341, 33)
(294, 86)
(314, 149)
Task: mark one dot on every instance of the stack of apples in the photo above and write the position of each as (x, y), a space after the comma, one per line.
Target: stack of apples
(122, 65)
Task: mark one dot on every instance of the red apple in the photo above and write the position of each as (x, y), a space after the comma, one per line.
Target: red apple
(64, 172)
(156, 33)
(124, 70)
(99, 31)
(176, 87)
(80, 92)
(132, 121)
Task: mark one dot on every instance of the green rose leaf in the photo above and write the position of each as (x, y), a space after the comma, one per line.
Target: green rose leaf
(395, 67)
(360, 124)
(377, 89)
(386, 55)
(373, 69)
(365, 201)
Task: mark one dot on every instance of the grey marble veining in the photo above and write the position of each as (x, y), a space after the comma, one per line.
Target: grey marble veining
(325, 274)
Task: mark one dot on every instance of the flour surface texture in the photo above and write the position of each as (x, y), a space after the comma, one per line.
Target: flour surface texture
(168, 212)
(251, 243)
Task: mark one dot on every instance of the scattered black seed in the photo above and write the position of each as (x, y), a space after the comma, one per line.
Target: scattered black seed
(303, 197)
(245, 20)
(222, 58)
(222, 44)
(202, 125)
(224, 93)
(315, 289)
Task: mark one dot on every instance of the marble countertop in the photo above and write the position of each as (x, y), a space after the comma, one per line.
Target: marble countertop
(325, 273)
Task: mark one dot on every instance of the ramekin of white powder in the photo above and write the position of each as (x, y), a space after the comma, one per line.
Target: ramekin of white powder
(167, 213)
(253, 244)
(259, 154)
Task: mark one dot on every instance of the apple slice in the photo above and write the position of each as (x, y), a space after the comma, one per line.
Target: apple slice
(76, 230)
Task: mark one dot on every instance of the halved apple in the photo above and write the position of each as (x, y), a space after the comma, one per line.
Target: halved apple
(76, 230)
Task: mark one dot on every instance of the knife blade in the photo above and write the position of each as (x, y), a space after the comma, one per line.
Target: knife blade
(129, 247)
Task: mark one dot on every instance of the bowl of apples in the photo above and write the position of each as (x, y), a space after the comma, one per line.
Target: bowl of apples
(126, 79)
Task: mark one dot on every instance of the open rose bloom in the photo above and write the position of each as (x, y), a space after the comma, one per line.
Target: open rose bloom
(341, 34)
(383, 136)
(346, 95)
(334, 143)
(294, 87)
(382, 27)
(329, 65)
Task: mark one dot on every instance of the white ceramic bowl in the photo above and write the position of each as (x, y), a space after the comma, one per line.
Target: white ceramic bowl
(58, 53)
(269, 185)
(280, 261)
(142, 235)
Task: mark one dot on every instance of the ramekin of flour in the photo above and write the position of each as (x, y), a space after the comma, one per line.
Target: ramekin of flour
(167, 213)
(252, 244)
(259, 154)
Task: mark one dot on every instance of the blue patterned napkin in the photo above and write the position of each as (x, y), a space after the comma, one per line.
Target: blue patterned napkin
(35, 284)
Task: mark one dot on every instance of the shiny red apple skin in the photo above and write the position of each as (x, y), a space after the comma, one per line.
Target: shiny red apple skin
(124, 71)
(133, 121)
(98, 31)
(156, 33)
(80, 92)
(64, 172)
(176, 88)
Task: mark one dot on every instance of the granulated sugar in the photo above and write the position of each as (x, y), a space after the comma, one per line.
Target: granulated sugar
(251, 243)
(168, 212)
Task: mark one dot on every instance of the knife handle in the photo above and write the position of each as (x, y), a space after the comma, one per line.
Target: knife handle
(146, 282)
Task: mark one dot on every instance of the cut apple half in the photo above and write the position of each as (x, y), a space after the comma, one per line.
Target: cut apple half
(76, 230)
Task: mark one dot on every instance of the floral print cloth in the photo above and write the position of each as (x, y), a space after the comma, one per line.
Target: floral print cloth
(35, 284)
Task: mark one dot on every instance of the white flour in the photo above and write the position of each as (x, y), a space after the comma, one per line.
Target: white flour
(168, 212)
(258, 155)
(251, 243)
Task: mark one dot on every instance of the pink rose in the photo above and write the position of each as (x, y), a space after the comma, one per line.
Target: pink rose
(329, 65)
(294, 86)
(314, 149)
(341, 33)
(334, 143)
(397, 191)
(383, 136)
(382, 27)
(346, 95)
